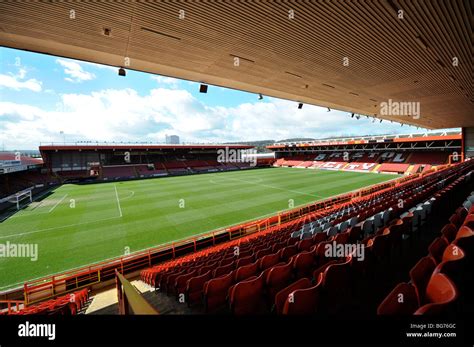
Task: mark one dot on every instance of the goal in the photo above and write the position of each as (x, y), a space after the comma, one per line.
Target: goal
(19, 197)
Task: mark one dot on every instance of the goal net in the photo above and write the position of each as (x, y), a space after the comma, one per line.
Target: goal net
(19, 197)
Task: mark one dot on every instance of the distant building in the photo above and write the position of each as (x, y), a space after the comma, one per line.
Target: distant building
(172, 139)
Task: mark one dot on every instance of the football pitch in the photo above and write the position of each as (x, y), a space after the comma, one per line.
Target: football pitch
(77, 225)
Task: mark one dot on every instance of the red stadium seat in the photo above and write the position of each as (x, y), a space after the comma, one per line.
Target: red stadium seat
(287, 252)
(277, 279)
(319, 237)
(282, 295)
(245, 296)
(244, 261)
(223, 270)
(194, 287)
(342, 238)
(469, 221)
(268, 261)
(337, 286)
(215, 291)
(449, 232)
(437, 247)
(304, 301)
(263, 252)
(440, 295)
(245, 272)
(402, 300)
(420, 275)
(304, 245)
(303, 263)
(452, 253)
(180, 282)
(453, 265)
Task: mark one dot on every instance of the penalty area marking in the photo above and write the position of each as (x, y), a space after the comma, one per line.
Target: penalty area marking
(59, 227)
(52, 208)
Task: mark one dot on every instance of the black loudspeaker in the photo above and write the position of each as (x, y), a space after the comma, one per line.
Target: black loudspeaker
(203, 88)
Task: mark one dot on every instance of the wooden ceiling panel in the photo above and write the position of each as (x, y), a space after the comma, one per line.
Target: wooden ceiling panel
(299, 58)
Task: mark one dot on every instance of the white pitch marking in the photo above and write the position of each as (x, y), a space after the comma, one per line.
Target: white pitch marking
(118, 201)
(52, 208)
(54, 228)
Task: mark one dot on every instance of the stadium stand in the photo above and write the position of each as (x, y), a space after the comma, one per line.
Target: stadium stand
(441, 281)
(70, 304)
(254, 281)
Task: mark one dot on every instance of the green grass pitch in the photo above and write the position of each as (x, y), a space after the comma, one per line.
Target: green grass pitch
(81, 224)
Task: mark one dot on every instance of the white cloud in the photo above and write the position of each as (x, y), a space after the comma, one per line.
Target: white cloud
(15, 81)
(75, 72)
(125, 115)
(167, 81)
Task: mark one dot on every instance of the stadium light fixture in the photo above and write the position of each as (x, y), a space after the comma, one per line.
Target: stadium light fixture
(357, 117)
(300, 106)
(203, 88)
(260, 96)
(121, 72)
(381, 120)
(352, 115)
(329, 110)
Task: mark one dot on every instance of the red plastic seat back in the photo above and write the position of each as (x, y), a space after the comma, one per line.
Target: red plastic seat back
(287, 252)
(268, 261)
(245, 296)
(245, 272)
(223, 270)
(304, 301)
(278, 278)
(452, 252)
(303, 263)
(449, 232)
(215, 291)
(440, 295)
(437, 247)
(402, 300)
(304, 245)
(282, 295)
(420, 275)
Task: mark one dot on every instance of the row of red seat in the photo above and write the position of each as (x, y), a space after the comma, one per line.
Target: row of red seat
(334, 286)
(69, 304)
(442, 278)
(193, 279)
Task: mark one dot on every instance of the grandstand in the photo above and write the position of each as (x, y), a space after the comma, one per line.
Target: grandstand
(334, 226)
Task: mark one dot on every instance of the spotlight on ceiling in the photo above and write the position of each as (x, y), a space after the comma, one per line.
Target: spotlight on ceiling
(300, 106)
(352, 115)
(122, 72)
(381, 120)
(329, 110)
(401, 124)
(260, 96)
(357, 117)
(203, 88)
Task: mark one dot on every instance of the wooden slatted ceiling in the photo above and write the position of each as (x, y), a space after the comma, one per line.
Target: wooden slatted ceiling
(299, 59)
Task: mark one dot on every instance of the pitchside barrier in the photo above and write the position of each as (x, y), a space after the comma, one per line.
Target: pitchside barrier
(60, 284)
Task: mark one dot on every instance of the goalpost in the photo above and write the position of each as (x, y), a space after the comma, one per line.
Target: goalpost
(18, 197)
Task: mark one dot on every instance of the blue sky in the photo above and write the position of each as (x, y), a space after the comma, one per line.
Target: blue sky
(42, 96)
